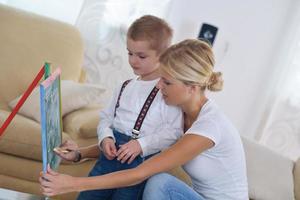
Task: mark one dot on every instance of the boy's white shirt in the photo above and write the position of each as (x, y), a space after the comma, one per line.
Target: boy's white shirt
(161, 127)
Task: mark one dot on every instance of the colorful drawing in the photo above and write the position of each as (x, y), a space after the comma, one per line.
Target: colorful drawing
(51, 121)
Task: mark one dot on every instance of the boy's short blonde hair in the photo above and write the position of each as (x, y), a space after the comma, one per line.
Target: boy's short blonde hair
(152, 29)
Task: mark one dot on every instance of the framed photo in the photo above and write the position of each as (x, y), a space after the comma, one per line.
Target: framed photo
(51, 120)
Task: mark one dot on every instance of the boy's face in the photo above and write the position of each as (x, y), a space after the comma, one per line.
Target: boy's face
(143, 60)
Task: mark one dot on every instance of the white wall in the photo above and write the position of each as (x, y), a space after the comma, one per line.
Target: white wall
(62, 10)
(248, 38)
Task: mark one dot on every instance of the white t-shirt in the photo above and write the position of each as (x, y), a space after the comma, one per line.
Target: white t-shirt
(218, 173)
(161, 126)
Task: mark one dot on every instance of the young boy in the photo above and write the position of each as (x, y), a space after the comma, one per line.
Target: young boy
(138, 123)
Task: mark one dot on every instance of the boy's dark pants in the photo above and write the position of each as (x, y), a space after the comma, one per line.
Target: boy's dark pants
(105, 166)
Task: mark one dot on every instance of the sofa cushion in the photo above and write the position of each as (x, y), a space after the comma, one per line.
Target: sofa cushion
(25, 178)
(22, 137)
(270, 175)
(82, 123)
(181, 174)
(74, 96)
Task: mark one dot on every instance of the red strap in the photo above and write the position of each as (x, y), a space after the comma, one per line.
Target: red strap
(22, 100)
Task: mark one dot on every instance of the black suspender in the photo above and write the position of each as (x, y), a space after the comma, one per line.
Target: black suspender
(143, 112)
(121, 91)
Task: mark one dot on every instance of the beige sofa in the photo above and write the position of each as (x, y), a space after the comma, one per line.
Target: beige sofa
(27, 41)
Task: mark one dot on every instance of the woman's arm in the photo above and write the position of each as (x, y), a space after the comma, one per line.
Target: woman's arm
(188, 147)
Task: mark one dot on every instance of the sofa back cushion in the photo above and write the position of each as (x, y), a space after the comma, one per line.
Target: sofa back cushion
(270, 175)
(73, 96)
(27, 42)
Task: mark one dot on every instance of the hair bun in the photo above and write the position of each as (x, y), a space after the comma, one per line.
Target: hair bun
(215, 82)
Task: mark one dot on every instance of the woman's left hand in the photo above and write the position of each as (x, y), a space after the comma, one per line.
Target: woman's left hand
(129, 151)
(53, 183)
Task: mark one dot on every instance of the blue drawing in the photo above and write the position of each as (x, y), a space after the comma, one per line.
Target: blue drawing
(51, 122)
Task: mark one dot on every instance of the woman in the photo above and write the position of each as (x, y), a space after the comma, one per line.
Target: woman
(210, 151)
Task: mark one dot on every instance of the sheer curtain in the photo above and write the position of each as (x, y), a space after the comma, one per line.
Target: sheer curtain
(103, 25)
(281, 130)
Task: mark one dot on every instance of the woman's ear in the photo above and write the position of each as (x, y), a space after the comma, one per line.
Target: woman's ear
(193, 88)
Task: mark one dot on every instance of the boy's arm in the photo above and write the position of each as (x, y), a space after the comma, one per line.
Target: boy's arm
(91, 151)
(164, 136)
(104, 127)
(106, 119)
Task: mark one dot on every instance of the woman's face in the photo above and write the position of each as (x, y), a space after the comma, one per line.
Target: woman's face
(174, 91)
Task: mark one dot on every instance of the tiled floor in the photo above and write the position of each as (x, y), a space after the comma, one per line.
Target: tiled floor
(13, 195)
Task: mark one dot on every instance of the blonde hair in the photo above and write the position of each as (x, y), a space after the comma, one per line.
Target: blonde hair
(191, 61)
(153, 29)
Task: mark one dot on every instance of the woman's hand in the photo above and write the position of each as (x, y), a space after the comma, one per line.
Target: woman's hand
(53, 183)
(129, 151)
(109, 148)
(67, 150)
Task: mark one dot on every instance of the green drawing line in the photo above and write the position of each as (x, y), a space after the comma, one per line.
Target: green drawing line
(47, 70)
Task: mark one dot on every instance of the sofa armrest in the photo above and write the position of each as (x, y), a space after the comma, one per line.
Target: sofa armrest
(270, 175)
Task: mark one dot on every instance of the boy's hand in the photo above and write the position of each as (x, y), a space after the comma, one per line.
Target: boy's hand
(109, 148)
(67, 150)
(129, 151)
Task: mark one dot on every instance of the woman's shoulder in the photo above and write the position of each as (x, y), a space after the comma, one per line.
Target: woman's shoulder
(209, 111)
(212, 123)
(213, 114)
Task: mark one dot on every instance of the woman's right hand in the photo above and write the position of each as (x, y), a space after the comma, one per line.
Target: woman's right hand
(53, 183)
(67, 150)
(109, 148)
